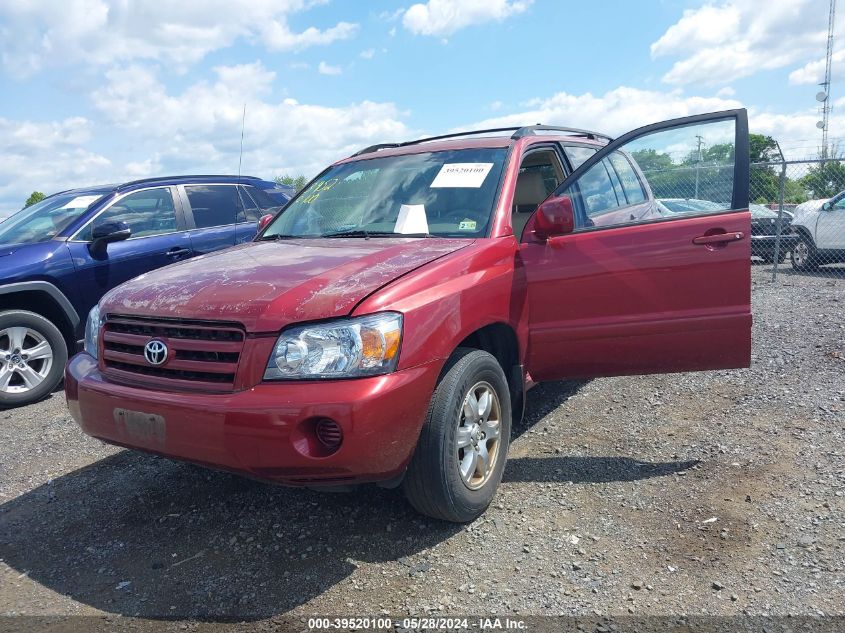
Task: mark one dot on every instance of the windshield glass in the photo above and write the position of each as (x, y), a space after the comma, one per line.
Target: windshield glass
(44, 220)
(447, 194)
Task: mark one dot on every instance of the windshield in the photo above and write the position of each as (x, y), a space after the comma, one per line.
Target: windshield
(447, 194)
(44, 220)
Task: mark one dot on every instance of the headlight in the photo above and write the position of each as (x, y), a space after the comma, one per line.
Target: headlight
(365, 346)
(92, 330)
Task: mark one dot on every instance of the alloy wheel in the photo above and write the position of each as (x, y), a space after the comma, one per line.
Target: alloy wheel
(26, 358)
(479, 428)
(801, 253)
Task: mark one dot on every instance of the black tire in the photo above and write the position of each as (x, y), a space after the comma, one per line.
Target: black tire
(11, 394)
(433, 484)
(804, 255)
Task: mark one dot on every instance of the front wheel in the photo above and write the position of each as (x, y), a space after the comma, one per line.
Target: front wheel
(463, 446)
(804, 256)
(33, 354)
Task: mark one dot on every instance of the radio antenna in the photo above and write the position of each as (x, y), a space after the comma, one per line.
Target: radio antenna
(241, 155)
(238, 186)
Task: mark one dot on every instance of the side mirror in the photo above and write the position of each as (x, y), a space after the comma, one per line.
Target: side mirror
(826, 206)
(107, 232)
(555, 216)
(264, 221)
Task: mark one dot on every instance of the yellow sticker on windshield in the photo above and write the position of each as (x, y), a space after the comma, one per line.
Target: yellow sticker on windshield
(467, 225)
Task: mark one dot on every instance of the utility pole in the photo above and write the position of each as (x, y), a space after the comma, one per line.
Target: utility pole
(698, 162)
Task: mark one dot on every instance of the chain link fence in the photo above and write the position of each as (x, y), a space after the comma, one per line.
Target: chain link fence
(798, 215)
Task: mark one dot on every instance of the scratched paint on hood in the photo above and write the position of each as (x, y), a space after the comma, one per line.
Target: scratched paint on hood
(266, 285)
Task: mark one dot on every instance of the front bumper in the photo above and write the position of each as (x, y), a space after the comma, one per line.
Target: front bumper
(765, 244)
(266, 431)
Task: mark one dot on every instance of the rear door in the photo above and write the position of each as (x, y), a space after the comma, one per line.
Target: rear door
(214, 210)
(634, 289)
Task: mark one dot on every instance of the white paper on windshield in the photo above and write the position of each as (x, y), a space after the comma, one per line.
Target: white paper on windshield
(411, 219)
(469, 175)
(80, 202)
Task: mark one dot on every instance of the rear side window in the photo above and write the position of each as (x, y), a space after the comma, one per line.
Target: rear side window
(213, 205)
(630, 182)
(249, 211)
(264, 201)
(148, 212)
(578, 154)
(597, 190)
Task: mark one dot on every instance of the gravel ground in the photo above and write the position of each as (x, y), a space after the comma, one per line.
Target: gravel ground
(717, 493)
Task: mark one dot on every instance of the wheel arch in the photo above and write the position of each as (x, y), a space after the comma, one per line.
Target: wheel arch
(42, 297)
(500, 340)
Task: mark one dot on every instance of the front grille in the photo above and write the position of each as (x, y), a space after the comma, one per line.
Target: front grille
(201, 354)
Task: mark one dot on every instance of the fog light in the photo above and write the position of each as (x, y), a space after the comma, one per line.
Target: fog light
(329, 433)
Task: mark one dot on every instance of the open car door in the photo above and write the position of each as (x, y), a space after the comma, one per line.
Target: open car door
(619, 282)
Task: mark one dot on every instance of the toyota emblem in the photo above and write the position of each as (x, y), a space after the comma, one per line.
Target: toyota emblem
(155, 352)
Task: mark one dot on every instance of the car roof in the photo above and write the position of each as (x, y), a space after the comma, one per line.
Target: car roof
(174, 180)
(473, 139)
(464, 143)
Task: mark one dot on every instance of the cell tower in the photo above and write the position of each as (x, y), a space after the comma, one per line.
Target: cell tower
(824, 96)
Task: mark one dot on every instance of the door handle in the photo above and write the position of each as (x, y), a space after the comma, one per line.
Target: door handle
(718, 238)
(178, 251)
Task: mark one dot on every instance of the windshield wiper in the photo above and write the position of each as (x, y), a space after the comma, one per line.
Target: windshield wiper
(368, 234)
(276, 238)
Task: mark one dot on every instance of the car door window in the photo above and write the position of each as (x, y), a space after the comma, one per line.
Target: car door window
(264, 201)
(147, 212)
(631, 184)
(248, 209)
(539, 175)
(597, 193)
(578, 154)
(213, 205)
(675, 167)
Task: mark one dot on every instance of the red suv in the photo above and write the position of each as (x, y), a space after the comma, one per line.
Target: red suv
(386, 324)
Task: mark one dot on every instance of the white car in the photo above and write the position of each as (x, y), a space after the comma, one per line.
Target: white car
(820, 225)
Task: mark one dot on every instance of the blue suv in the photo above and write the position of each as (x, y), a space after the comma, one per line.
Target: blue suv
(59, 256)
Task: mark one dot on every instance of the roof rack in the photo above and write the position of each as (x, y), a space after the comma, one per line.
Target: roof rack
(518, 132)
(192, 176)
(530, 130)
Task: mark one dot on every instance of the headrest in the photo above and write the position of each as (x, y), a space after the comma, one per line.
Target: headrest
(530, 189)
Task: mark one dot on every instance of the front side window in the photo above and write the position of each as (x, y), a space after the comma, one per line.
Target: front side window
(445, 193)
(689, 169)
(46, 219)
(148, 212)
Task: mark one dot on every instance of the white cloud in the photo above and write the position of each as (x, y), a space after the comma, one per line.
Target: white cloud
(614, 112)
(717, 44)
(46, 157)
(327, 69)
(101, 32)
(813, 72)
(443, 17)
(623, 109)
(199, 128)
(279, 37)
(367, 54)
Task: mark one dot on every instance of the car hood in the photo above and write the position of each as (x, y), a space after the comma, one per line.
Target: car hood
(808, 209)
(267, 285)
